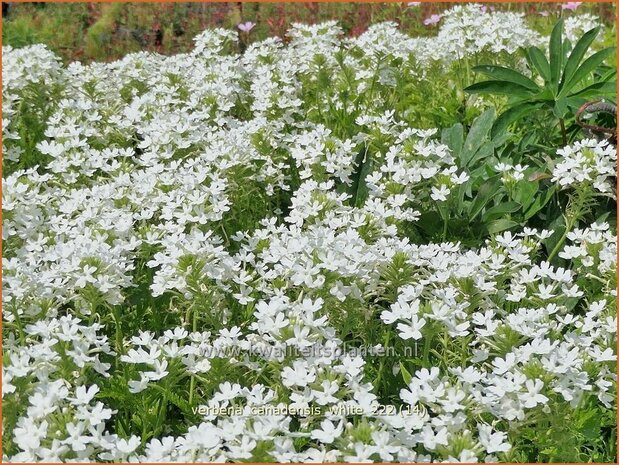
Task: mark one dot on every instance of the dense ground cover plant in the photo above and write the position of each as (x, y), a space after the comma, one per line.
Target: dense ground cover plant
(311, 251)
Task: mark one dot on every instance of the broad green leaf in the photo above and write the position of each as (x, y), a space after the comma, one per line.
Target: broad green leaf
(501, 73)
(539, 62)
(578, 53)
(500, 225)
(539, 203)
(500, 87)
(524, 192)
(588, 66)
(555, 50)
(486, 192)
(453, 137)
(560, 108)
(477, 136)
(509, 116)
(486, 150)
(500, 210)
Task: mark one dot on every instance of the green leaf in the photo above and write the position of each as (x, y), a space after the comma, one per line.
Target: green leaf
(509, 116)
(556, 54)
(539, 203)
(501, 225)
(487, 191)
(453, 137)
(501, 73)
(578, 53)
(560, 108)
(540, 62)
(499, 87)
(485, 151)
(477, 135)
(363, 165)
(500, 210)
(524, 192)
(405, 374)
(587, 67)
(599, 89)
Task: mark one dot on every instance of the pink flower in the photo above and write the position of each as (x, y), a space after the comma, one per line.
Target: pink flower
(246, 27)
(570, 6)
(432, 20)
(543, 13)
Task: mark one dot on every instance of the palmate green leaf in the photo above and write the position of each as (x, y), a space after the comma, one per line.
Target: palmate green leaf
(539, 62)
(555, 50)
(586, 68)
(578, 53)
(500, 73)
(500, 87)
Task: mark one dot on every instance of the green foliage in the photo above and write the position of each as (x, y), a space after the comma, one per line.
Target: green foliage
(569, 80)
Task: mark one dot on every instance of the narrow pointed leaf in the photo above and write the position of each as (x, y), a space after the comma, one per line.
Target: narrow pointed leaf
(501, 73)
(587, 67)
(508, 117)
(540, 62)
(500, 87)
(556, 54)
(578, 53)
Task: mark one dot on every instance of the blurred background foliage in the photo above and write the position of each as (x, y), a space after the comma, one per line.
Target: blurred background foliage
(95, 31)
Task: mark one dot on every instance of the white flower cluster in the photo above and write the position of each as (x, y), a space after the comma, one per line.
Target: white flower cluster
(576, 25)
(587, 161)
(208, 203)
(469, 29)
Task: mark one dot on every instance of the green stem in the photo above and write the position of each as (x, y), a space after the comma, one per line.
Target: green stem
(382, 362)
(563, 132)
(575, 212)
(20, 329)
(557, 247)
